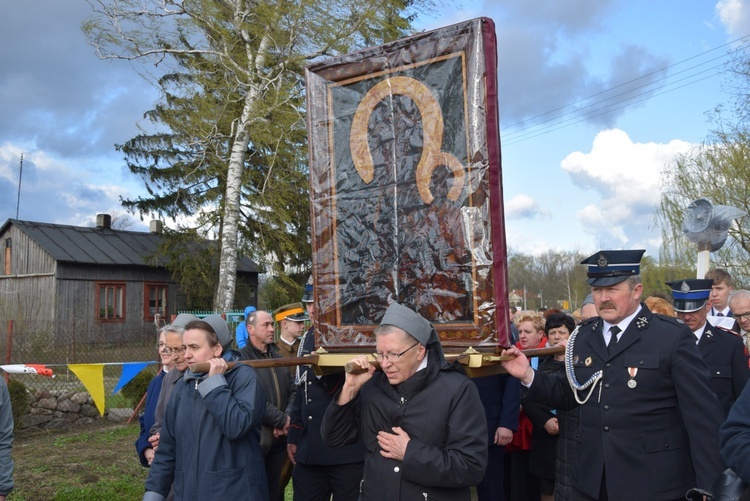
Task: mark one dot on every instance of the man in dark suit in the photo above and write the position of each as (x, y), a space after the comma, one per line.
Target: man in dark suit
(649, 418)
(722, 351)
(501, 397)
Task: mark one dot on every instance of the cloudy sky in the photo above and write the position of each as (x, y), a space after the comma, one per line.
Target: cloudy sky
(595, 97)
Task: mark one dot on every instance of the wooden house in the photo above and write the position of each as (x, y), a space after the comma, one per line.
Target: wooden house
(94, 283)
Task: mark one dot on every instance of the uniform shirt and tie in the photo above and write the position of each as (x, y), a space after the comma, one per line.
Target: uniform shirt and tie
(616, 329)
(699, 333)
(726, 312)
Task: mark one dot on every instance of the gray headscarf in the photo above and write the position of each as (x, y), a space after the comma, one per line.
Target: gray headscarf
(416, 325)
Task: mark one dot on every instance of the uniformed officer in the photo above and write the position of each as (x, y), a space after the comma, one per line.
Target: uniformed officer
(291, 320)
(319, 470)
(649, 417)
(722, 351)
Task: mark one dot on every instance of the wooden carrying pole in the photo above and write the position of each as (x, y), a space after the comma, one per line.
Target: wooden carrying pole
(263, 363)
(488, 359)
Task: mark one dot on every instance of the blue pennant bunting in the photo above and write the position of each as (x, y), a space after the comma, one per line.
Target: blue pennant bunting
(129, 371)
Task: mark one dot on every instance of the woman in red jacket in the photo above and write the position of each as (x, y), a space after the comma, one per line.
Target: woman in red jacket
(522, 484)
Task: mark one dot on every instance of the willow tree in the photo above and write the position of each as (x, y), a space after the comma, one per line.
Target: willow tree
(719, 170)
(249, 57)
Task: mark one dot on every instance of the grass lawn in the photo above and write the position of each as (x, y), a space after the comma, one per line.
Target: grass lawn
(96, 462)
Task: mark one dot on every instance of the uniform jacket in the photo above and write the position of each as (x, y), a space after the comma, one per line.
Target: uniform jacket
(286, 349)
(146, 420)
(279, 388)
(314, 394)
(657, 437)
(724, 353)
(444, 418)
(735, 436)
(209, 444)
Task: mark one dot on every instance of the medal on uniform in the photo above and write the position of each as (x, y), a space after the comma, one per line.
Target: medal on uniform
(632, 383)
(588, 361)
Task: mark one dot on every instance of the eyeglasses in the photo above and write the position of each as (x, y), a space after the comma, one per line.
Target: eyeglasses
(392, 357)
(740, 316)
(174, 351)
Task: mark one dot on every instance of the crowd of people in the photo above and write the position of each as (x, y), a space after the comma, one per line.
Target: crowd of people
(648, 400)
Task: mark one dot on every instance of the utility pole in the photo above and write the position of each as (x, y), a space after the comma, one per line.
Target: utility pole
(20, 175)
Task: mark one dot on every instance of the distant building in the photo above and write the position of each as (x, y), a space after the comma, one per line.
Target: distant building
(95, 283)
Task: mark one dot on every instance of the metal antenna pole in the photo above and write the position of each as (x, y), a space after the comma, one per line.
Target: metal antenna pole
(20, 175)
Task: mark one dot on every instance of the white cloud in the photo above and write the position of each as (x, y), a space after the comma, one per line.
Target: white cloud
(626, 176)
(734, 15)
(523, 207)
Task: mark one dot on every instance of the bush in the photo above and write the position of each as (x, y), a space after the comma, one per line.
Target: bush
(136, 388)
(19, 400)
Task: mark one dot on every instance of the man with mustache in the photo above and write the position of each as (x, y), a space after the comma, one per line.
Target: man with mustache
(649, 418)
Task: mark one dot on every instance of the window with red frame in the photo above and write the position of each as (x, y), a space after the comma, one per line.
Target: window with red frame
(156, 301)
(111, 303)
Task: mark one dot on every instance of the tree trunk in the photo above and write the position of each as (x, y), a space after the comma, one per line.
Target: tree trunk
(224, 297)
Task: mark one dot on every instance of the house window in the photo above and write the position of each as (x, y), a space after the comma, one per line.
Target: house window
(156, 301)
(111, 304)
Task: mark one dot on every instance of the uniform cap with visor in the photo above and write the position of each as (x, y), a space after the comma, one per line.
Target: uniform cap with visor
(690, 294)
(610, 267)
(293, 312)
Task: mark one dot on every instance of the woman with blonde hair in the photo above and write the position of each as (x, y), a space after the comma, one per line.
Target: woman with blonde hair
(524, 485)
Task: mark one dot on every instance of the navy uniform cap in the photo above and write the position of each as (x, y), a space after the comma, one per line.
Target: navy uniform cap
(610, 267)
(690, 294)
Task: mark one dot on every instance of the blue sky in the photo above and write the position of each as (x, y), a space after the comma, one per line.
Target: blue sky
(591, 182)
(594, 183)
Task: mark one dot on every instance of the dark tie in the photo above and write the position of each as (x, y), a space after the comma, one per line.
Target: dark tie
(719, 314)
(613, 332)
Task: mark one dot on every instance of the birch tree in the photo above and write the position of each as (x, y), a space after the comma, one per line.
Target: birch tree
(258, 49)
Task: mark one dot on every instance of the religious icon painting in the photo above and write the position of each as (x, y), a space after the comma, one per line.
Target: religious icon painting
(405, 188)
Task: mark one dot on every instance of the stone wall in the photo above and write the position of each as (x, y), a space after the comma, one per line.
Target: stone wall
(61, 409)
